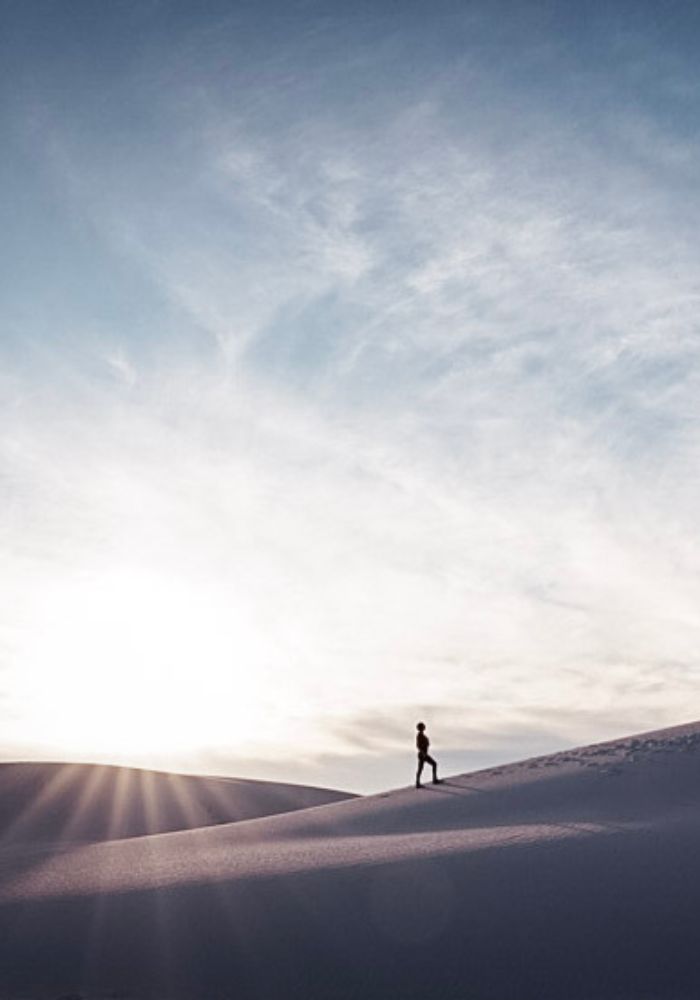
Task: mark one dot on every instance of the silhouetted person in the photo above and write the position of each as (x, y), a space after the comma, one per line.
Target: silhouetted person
(423, 745)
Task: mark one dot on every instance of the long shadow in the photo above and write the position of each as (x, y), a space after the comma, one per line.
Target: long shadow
(590, 794)
(447, 786)
(539, 821)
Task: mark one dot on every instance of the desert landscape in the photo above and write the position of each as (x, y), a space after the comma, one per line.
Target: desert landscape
(573, 875)
(349, 413)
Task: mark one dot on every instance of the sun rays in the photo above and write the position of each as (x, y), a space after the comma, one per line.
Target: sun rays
(81, 803)
(75, 810)
(85, 803)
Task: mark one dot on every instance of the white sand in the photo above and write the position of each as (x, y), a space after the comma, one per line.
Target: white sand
(62, 803)
(571, 876)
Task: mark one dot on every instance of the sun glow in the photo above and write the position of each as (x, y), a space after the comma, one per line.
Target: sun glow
(133, 663)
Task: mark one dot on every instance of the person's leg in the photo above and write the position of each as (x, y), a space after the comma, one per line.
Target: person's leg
(421, 762)
(433, 764)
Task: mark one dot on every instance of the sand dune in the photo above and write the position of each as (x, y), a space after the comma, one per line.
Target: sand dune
(42, 802)
(571, 876)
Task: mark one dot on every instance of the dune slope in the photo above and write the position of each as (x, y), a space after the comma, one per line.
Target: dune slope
(572, 876)
(41, 802)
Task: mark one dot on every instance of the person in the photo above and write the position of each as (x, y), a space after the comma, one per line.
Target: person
(423, 745)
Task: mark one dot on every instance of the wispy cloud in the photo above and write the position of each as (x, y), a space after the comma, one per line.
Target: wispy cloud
(414, 424)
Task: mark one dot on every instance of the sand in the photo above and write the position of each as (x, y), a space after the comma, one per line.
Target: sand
(570, 877)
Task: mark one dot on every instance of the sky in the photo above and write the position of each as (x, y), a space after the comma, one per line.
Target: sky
(349, 376)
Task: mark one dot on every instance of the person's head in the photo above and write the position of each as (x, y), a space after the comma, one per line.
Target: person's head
(420, 727)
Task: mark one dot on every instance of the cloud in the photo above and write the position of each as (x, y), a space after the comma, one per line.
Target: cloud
(413, 425)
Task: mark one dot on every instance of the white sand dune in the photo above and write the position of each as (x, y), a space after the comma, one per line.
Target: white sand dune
(42, 802)
(571, 876)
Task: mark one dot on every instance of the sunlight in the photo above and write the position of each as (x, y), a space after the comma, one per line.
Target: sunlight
(63, 777)
(130, 663)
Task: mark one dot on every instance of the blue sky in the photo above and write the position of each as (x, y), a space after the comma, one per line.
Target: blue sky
(349, 374)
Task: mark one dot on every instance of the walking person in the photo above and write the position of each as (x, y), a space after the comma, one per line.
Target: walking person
(422, 746)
